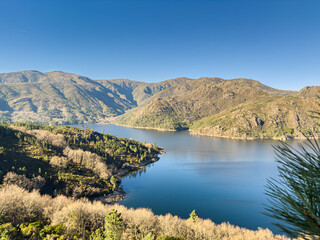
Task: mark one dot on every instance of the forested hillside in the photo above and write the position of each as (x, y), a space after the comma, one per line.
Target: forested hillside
(69, 161)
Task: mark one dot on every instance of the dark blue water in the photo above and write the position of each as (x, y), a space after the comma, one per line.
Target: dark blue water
(222, 179)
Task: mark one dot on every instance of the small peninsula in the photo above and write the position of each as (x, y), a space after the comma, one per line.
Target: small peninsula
(70, 161)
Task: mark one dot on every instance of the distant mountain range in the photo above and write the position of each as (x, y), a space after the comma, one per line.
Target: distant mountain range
(237, 108)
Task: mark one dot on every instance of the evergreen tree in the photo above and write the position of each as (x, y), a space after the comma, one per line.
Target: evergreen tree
(97, 235)
(148, 237)
(194, 216)
(294, 199)
(113, 181)
(114, 225)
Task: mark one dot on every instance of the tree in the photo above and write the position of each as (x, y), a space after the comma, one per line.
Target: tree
(148, 237)
(113, 181)
(294, 199)
(194, 216)
(114, 225)
(97, 235)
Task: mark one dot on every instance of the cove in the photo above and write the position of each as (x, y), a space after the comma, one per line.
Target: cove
(222, 179)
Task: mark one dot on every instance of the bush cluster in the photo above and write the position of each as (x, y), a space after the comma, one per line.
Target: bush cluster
(29, 215)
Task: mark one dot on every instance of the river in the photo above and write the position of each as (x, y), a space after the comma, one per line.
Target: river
(222, 179)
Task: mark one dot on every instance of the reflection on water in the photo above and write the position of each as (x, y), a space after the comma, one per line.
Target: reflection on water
(139, 172)
(222, 179)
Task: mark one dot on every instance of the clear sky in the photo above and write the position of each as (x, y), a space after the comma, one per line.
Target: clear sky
(276, 42)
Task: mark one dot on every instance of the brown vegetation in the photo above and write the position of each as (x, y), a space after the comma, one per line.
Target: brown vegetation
(24, 182)
(89, 160)
(81, 218)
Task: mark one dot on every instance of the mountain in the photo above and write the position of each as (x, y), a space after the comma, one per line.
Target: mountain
(184, 105)
(209, 106)
(237, 108)
(267, 118)
(57, 97)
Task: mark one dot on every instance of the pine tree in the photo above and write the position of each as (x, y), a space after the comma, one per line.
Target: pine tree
(294, 199)
(113, 181)
(148, 237)
(194, 216)
(114, 225)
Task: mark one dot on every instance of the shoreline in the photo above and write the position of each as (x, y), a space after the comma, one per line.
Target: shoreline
(148, 128)
(196, 133)
(119, 194)
(282, 138)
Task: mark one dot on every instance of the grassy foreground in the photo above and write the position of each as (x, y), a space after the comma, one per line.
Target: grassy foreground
(29, 215)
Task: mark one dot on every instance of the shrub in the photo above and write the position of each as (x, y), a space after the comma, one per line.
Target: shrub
(24, 182)
(54, 231)
(8, 231)
(80, 217)
(59, 162)
(31, 231)
(71, 219)
(148, 237)
(169, 238)
(18, 206)
(88, 160)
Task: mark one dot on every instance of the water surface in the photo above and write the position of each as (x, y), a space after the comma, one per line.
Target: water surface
(222, 179)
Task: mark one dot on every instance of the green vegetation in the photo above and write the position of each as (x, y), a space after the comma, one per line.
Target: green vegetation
(113, 227)
(160, 121)
(29, 215)
(65, 160)
(194, 216)
(294, 198)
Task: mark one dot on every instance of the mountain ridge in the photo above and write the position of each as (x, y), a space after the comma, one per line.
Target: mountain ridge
(175, 104)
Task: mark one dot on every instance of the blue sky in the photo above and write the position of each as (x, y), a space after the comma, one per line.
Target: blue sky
(276, 42)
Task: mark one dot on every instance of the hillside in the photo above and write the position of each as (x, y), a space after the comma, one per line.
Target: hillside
(175, 104)
(268, 118)
(206, 100)
(69, 161)
(57, 97)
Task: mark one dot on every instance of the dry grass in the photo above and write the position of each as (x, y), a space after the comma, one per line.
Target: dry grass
(82, 217)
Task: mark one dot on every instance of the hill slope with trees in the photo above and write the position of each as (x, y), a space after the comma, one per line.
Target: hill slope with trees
(69, 161)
